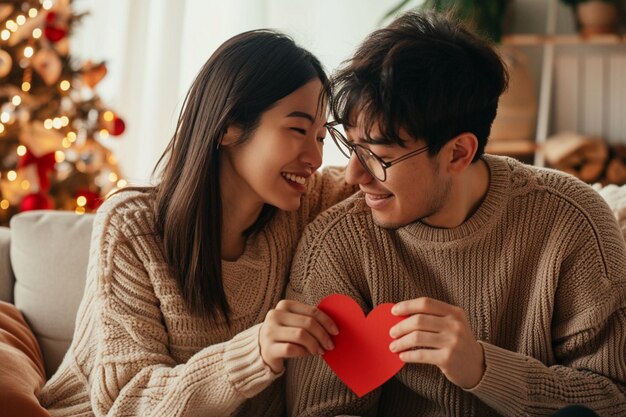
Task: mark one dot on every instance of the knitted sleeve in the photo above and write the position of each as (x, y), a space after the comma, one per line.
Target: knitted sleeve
(133, 372)
(588, 331)
(319, 269)
(326, 189)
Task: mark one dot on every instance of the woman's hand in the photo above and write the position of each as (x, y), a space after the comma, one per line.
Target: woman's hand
(293, 330)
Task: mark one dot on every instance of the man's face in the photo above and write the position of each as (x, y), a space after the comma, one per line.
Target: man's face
(415, 188)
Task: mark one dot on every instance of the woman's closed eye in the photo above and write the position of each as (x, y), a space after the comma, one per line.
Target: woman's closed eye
(299, 130)
(303, 133)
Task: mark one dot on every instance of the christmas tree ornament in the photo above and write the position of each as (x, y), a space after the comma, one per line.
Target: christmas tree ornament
(113, 123)
(44, 165)
(48, 65)
(36, 201)
(92, 74)
(91, 157)
(55, 28)
(6, 63)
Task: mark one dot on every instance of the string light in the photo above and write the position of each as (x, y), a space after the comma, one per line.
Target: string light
(21, 150)
(108, 116)
(4, 204)
(81, 201)
(59, 156)
(66, 143)
(16, 100)
(65, 85)
(28, 51)
(5, 117)
(112, 177)
(122, 183)
(36, 33)
(5, 35)
(11, 175)
(65, 121)
(32, 12)
(80, 210)
(11, 25)
(20, 20)
(47, 124)
(25, 185)
(104, 133)
(71, 136)
(1, 128)
(47, 4)
(25, 86)
(57, 123)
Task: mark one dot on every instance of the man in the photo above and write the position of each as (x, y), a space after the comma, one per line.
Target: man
(512, 278)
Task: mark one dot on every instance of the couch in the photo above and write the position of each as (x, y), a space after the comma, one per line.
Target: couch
(43, 263)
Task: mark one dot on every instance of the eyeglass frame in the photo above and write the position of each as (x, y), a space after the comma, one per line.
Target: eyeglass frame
(336, 135)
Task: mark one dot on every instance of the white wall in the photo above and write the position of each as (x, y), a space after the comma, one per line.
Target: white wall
(154, 49)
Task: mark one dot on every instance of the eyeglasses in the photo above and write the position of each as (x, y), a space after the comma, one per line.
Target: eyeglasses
(372, 163)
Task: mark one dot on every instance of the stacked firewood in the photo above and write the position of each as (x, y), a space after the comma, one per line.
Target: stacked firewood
(589, 158)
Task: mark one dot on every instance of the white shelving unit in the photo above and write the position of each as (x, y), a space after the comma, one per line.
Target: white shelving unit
(582, 85)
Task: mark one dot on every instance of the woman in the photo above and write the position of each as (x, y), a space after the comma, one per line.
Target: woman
(182, 312)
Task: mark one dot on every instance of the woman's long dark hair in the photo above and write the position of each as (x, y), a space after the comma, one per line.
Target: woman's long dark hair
(240, 81)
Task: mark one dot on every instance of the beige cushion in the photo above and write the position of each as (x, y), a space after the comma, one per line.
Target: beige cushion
(49, 254)
(6, 273)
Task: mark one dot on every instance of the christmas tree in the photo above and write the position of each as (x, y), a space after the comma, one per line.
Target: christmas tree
(52, 122)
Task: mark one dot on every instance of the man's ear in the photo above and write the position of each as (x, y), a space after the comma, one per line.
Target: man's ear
(231, 136)
(461, 151)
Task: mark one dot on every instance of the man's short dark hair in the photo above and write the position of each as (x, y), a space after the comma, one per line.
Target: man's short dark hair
(425, 73)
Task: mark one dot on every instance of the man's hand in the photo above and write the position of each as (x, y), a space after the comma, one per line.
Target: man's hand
(293, 330)
(439, 334)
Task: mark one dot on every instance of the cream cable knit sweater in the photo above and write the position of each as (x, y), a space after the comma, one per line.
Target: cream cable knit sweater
(137, 351)
(540, 270)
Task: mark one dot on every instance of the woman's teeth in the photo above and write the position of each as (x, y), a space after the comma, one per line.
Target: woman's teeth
(294, 178)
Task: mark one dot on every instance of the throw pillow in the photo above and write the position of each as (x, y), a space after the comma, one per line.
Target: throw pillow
(22, 372)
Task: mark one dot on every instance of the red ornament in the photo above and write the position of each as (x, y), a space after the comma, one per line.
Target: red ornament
(36, 201)
(93, 199)
(54, 34)
(118, 126)
(51, 18)
(54, 30)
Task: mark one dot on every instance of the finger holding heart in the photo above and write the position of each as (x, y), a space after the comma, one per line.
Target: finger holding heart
(439, 334)
(293, 329)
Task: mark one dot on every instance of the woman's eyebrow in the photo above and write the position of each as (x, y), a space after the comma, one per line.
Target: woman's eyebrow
(302, 114)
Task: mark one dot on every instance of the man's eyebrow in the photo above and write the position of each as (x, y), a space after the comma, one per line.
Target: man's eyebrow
(302, 114)
(368, 140)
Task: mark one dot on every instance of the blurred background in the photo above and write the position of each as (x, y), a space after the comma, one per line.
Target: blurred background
(135, 60)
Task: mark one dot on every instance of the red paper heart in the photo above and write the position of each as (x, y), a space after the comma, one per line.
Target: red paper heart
(361, 358)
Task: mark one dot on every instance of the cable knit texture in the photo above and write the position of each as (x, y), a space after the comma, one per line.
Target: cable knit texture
(540, 271)
(137, 350)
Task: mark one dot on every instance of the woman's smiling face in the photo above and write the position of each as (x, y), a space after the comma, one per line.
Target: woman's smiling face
(274, 164)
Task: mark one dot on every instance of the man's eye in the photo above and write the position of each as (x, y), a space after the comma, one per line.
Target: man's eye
(321, 139)
(300, 131)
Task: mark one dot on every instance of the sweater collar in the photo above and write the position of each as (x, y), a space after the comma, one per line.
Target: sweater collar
(488, 212)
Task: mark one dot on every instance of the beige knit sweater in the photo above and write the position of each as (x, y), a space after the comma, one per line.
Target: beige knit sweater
(137, 351)
(539, 269)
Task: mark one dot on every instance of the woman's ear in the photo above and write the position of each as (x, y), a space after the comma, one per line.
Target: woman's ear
(231, 136)
(462, 151)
